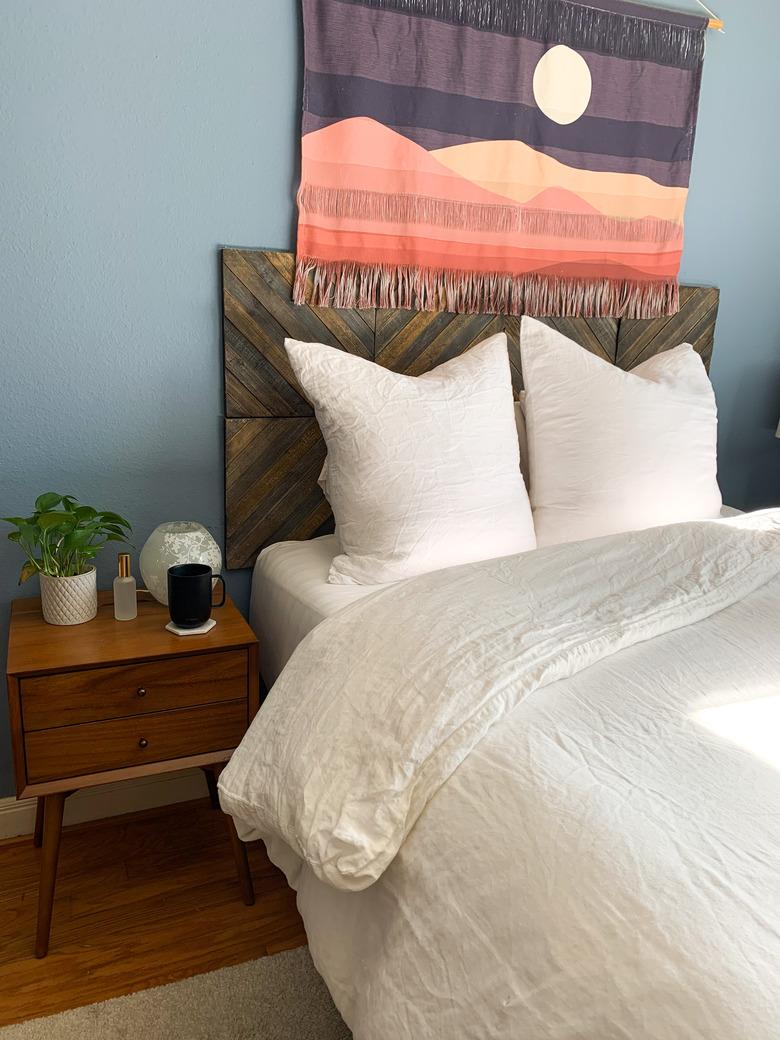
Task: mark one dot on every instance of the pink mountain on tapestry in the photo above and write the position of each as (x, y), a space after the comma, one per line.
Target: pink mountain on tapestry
(433, 213)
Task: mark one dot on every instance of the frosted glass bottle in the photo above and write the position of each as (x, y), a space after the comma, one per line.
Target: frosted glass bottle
(125, 598)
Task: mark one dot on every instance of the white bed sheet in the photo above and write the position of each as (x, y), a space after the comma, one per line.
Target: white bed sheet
(291, 596)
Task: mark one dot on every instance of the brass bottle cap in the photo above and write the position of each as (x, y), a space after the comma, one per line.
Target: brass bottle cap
(124, 565)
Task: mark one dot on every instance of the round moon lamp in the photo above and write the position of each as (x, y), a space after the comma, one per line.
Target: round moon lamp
(179, 541)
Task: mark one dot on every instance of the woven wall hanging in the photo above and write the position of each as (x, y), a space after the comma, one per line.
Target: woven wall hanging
(500, 156)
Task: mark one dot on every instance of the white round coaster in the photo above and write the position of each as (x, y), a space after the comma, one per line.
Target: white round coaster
(200, 631)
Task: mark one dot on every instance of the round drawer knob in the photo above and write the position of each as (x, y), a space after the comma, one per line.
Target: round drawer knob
(141, 691)
(143, 743)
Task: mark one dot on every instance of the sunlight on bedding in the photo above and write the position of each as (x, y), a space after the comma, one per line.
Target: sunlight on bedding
(752, 725)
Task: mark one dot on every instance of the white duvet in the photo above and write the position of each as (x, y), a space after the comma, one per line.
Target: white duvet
(539, 797)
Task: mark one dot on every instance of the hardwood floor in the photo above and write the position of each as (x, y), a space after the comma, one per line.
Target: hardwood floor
(141, 900)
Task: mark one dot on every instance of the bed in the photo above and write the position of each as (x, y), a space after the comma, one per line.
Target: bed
(534, 797)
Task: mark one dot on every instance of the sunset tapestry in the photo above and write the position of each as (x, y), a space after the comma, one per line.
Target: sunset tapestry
(497, 156)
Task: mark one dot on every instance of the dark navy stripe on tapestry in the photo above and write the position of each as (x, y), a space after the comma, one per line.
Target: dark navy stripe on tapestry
(345, 97)
(623, 29)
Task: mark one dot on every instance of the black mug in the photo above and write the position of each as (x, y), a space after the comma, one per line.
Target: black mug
(189, 594)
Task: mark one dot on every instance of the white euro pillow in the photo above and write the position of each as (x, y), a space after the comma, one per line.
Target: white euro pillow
(423, 471)
(522, 443)
(613, 451)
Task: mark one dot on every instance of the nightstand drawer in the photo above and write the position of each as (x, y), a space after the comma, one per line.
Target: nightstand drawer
(135, 689)
(96, 747)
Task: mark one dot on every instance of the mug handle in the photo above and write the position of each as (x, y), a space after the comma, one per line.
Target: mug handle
(218, 577)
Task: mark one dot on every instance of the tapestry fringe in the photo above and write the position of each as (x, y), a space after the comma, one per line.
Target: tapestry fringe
(654, 36)
(356, 204)
(345, 284)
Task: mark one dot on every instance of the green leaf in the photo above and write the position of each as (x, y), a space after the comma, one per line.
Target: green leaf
(45, 503)
(114, 529)
(112, 538)
(17, 521)
(115, 518)
(28, 570)
(76, 538)
(46, 521)
(69, 503)
(85, 513)
(85, 534)
(14, 536)
(30, 533)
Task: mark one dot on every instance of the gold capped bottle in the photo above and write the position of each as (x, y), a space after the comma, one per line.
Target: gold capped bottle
(125, 597)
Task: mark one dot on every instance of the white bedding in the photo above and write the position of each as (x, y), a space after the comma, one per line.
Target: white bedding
(563, 768)
(291, 595)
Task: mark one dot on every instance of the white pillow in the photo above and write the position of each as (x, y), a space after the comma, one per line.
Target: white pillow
(616, 451)
(423, 472)
(522, 443)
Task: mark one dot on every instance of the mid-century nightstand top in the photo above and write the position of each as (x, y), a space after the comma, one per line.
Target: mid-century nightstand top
(36, 648)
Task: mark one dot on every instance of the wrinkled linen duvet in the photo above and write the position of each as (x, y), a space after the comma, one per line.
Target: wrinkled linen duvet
(538, 798)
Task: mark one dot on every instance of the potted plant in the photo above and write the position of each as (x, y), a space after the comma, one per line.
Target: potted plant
(60, 540)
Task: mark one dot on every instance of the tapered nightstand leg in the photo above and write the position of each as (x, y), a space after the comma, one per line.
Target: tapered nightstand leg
(52, 832)
(211, 780)
(38, 832)
(242, 863)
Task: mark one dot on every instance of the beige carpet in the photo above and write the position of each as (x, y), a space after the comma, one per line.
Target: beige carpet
(274, 998)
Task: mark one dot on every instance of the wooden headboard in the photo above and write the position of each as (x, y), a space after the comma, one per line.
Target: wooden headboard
(273, 447)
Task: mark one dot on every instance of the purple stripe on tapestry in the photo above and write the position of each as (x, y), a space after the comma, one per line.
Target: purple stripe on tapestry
(494, 68)
(672, 175)
(649, 34)
(350, 96)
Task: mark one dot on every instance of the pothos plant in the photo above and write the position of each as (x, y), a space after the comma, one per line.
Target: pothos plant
(62, 537)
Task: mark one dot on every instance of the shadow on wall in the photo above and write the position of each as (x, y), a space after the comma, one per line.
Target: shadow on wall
(749, 459)
(760, 493)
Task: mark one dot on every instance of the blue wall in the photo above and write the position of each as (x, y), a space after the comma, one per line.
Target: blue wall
(135, 138)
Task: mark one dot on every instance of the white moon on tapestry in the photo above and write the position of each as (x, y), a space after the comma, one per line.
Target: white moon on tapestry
(562, 84)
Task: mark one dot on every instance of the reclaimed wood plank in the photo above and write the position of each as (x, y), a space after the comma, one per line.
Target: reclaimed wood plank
(694, 323)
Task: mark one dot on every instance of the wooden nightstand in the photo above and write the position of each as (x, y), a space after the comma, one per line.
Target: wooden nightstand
(112, 700)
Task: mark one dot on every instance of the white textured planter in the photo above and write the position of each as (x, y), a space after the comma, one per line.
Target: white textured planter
(69, 601)
(179, 541)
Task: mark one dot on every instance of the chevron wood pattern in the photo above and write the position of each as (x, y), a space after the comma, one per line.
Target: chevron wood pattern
(694, 324)
(271, 484)
(258, 315)
(273, 447)
(414, 342)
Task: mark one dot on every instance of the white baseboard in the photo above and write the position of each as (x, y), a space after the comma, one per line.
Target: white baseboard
(95, 803)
